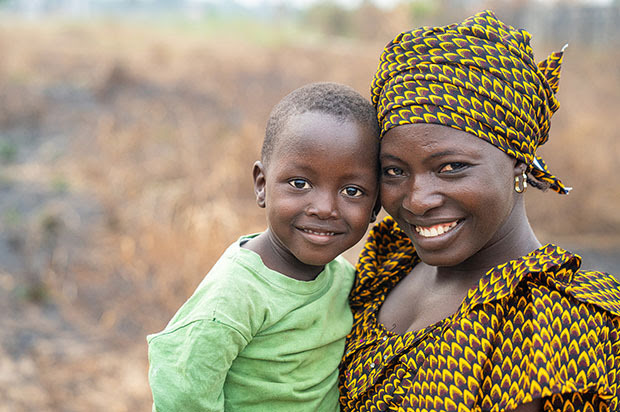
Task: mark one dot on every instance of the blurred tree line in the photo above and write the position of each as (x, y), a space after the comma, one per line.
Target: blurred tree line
(562, 21)
(572, 22)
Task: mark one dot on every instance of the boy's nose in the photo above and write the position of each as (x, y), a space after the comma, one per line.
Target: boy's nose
(323, 205)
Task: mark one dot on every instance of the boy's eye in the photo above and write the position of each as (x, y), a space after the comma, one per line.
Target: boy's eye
(352, 191)
(299, 184)
(393, 171)
(452, 167)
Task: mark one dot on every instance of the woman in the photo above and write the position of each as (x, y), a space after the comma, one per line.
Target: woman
(457, 305)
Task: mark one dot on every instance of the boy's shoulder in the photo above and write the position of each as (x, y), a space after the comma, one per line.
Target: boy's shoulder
(224, 289)
(340, 266)
(341, 261)
(233, 263)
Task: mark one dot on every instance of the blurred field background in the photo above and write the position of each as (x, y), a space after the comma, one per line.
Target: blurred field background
(127, 134)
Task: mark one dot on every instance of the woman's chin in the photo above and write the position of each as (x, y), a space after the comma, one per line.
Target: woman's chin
(440, 258)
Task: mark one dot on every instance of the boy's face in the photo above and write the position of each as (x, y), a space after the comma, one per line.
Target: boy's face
(319, 187)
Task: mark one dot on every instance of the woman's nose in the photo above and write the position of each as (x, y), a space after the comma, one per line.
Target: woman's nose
(422, 196)
(323, 205)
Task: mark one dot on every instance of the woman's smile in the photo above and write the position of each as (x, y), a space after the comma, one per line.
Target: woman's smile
(438, 236)
(435, 230)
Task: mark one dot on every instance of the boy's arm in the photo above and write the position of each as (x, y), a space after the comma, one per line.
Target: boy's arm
(188, 366)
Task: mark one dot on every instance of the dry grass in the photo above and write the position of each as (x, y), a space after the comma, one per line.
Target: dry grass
(153, 134)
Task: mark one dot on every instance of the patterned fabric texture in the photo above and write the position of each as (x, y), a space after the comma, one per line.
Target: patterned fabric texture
(478, 76)
(535, 327)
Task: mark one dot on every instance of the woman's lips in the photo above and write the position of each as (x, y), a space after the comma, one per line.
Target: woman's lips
(435, 230)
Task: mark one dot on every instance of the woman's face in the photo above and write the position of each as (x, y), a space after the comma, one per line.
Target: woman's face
(451, 192)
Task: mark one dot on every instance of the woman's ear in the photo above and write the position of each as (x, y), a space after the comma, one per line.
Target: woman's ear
(520, 176)
(258, 173)
(520, 168)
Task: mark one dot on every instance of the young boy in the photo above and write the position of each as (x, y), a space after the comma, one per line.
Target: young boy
(265, 330)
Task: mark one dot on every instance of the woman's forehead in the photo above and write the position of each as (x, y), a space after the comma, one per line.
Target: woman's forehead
(430, 135)
(433, 140)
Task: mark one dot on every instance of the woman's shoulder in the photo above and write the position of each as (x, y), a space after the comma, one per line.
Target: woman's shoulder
(598, 288)
(385, 242)
(563, 270)
(388, 255)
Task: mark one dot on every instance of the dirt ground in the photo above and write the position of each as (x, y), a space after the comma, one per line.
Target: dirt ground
(125, 158)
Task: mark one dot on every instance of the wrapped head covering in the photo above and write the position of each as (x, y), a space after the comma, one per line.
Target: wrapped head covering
(478, 76)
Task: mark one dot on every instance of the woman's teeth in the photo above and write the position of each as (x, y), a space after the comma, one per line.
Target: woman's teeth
(435, 230)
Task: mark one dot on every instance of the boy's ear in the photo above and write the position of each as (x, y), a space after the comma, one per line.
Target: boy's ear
(375, 210)
(258, 173)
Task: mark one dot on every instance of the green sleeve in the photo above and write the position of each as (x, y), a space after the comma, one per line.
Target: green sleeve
(188, 366)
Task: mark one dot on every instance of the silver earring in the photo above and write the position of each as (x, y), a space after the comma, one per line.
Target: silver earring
(521, 187)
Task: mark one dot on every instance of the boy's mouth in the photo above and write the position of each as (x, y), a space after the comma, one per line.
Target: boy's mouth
(435, 230)
(319, 233)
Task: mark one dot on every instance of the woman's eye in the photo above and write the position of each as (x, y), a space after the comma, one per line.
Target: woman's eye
(299, 184)
(452, 167)
(352, 191)
(393, 171)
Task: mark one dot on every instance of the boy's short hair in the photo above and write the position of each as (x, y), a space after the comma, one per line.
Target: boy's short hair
(325, 97)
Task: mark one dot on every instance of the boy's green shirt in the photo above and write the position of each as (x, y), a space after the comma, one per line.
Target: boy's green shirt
(252, 339)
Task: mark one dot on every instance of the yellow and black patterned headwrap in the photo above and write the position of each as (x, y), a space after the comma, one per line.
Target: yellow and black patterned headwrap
(478, 76)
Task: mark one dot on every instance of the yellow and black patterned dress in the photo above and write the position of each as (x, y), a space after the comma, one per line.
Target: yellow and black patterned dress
(535, 327)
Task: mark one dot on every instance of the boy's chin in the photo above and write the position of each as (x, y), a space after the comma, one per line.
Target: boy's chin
(317, 260)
